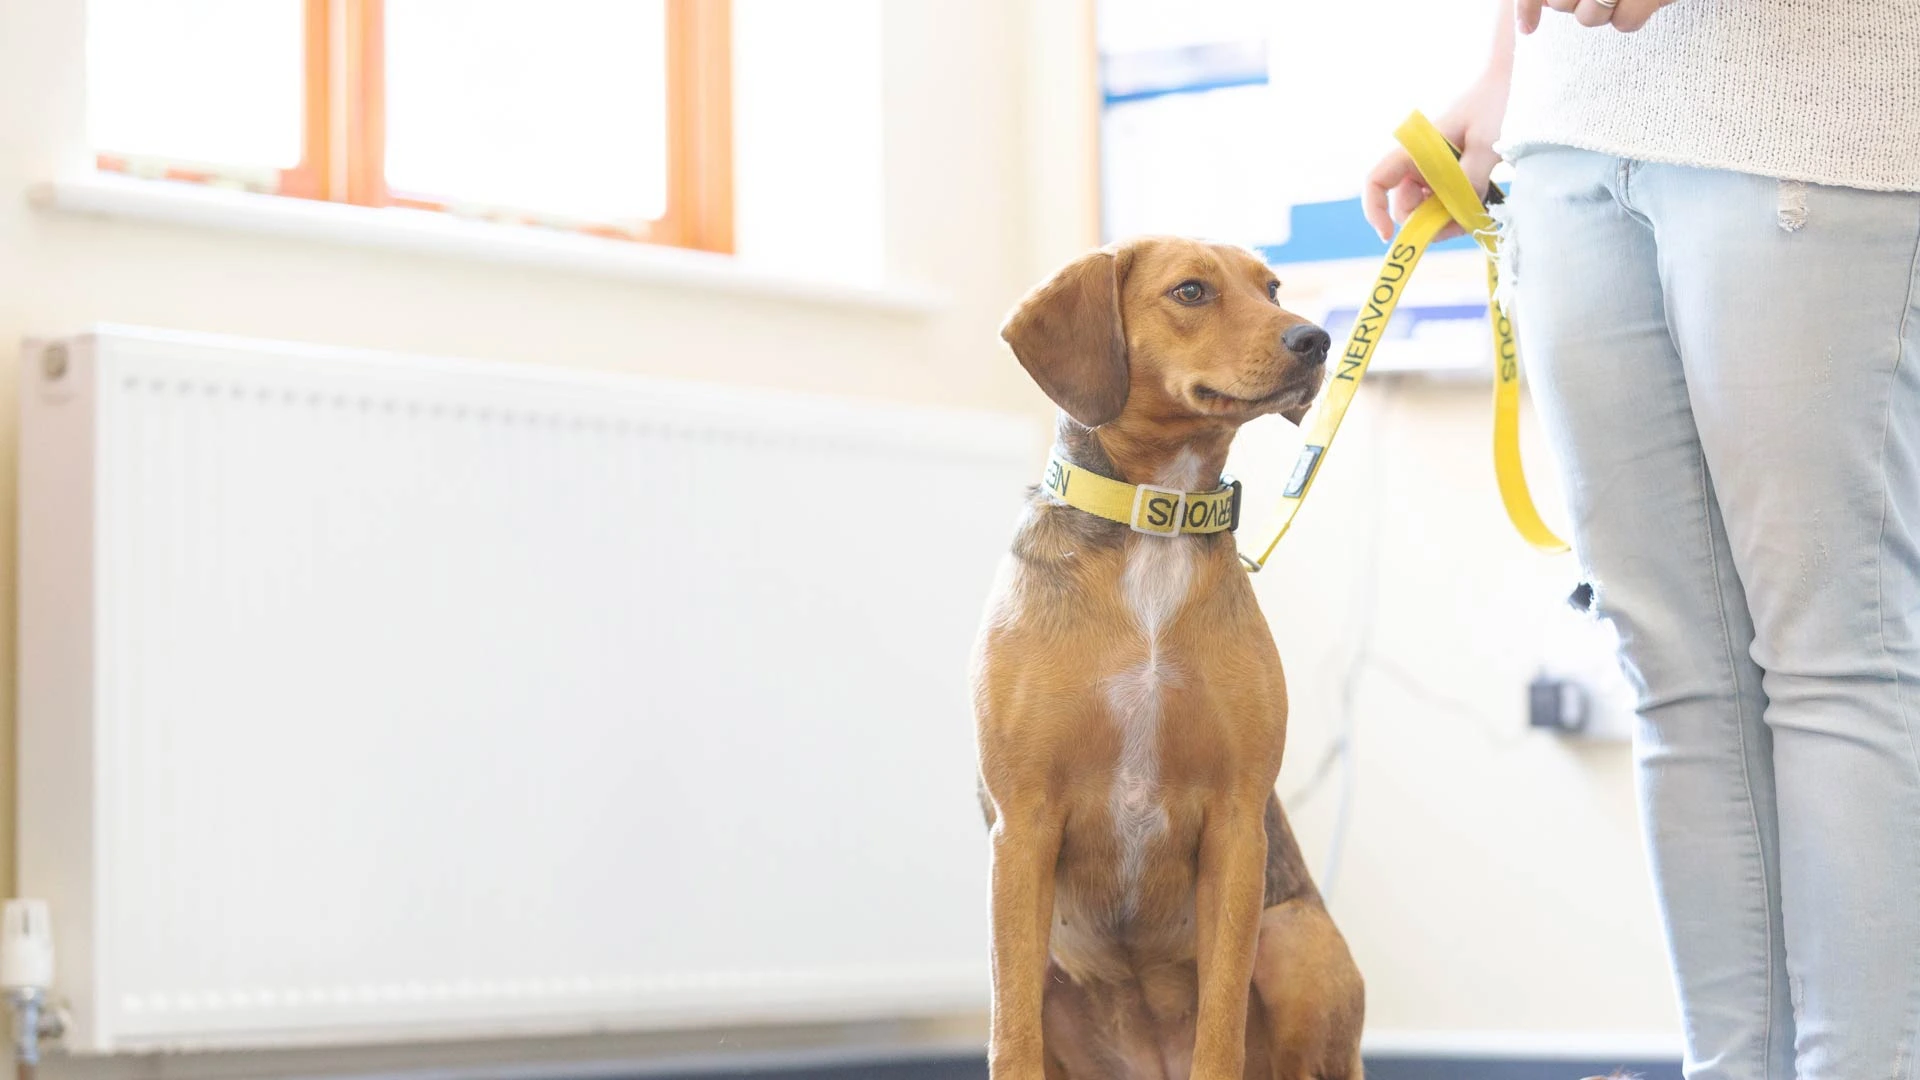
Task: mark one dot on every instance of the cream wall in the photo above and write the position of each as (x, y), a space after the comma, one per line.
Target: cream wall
(945, 142)
(1492, 885)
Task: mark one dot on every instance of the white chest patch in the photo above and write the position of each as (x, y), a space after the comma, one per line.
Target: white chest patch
(1158, 576)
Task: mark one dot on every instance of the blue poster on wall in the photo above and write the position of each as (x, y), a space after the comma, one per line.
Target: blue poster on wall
(1253, 120)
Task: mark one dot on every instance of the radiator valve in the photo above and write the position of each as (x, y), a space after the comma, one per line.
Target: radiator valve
(26, 977)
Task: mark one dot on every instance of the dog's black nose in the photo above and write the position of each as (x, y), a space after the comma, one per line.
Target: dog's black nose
(1308, 342)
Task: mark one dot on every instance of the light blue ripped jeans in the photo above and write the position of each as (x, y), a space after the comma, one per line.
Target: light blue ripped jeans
(1729, 368)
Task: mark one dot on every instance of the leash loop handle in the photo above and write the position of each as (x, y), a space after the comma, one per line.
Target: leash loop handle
(1439, 165)
(1454, 200)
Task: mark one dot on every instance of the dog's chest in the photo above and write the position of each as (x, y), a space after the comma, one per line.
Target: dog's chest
(1154, 587)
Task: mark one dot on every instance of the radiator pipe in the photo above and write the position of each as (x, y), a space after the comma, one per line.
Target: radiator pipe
(26, 974)
(33, 1023)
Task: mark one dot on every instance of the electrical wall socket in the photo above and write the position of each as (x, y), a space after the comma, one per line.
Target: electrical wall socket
(1577, 649)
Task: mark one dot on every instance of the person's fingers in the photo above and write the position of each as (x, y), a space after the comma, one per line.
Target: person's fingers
(1394, 190)
(1593, 13)
(1407, 197)
(1393, 170)
(1631, 15)
(1563, 5)
(1478, 162)
(1527, 14)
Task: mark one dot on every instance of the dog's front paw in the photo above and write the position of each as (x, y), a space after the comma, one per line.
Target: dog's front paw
(1211, 1071)
(1016, 1066)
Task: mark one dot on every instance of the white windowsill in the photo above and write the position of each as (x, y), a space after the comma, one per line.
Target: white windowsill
(428, 233)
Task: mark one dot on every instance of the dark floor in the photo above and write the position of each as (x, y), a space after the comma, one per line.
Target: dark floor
(1377, 1069)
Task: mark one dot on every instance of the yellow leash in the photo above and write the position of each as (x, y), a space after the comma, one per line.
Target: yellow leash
(1453, 200)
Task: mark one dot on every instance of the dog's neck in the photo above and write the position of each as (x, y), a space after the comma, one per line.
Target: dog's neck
(1190, 459)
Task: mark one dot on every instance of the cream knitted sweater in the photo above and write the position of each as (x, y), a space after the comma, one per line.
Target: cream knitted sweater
(1826, 91)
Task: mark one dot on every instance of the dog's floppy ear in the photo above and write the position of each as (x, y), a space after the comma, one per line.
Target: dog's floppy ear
(1067, 334)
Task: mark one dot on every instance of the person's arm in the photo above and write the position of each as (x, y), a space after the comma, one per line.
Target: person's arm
(1393, 189)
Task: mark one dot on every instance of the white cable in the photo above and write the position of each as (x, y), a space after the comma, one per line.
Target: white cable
(1366, 605)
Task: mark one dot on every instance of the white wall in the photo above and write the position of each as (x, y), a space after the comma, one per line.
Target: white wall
(1492, 880)
(931, 199)
(1491, 883)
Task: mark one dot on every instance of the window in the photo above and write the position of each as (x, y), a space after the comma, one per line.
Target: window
(1185, 116)
(607, 116)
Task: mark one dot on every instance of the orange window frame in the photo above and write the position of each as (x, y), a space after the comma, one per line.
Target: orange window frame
(343, 146)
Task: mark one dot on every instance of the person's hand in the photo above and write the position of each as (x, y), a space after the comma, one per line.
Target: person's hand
(1393, 189)
(1627, 15)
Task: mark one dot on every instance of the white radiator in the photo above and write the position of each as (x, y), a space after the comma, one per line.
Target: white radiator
(377, 697)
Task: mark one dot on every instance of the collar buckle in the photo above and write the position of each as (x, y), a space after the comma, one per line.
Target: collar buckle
(1140, 502)
(1233, 505)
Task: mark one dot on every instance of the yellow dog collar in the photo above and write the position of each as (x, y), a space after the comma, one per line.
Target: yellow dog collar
(1144, 508)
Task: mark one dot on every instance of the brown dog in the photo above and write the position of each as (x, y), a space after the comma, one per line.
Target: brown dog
(1152, 915)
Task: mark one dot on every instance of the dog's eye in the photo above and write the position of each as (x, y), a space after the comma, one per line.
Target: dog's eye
(1273, 291)
(1189, 292)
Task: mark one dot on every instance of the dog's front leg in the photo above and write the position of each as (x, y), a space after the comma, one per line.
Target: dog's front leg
(1227, 909)
(1026, 853)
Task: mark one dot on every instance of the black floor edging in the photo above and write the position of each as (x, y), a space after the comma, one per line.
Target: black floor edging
(924, 1069)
